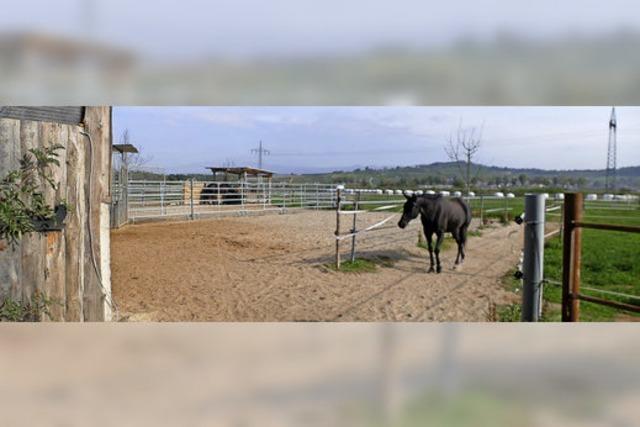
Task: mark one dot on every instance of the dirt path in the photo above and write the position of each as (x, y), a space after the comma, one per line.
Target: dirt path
(272, 268)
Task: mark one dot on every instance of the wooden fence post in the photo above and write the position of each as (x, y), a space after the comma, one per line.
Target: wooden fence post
(338, 201)
(571, 254)
(481, 210)
(353, 230)
(561, 234)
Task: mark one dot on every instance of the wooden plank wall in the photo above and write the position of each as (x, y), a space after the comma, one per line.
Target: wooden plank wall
(62, 264)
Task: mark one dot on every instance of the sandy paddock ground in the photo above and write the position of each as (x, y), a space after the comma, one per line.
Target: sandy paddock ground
(273, 268)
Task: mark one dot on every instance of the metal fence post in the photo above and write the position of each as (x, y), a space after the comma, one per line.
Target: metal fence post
(338, 200)
(162, 198)
(191, 198)
(284, 198)
(264, 196)
(242, 192)
(353, 230)
(533, 263)
(571, 254)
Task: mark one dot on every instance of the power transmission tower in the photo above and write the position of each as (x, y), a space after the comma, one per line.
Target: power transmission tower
(261, 152)
(610, 182)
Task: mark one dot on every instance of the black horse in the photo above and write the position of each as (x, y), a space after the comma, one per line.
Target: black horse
(229, 194)
(439, 215)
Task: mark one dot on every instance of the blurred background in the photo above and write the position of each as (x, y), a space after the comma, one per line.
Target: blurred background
(319, 375)
(303, 52)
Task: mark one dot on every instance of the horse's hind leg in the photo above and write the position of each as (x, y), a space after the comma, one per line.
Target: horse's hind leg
(440, 236)
(456, 237)
(429, 236)
(463, 241)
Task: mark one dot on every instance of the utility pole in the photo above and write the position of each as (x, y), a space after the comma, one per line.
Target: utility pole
(610, 182)
(261, 152)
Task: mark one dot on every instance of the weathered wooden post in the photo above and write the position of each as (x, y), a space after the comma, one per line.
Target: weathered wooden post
(571, 253)
(561, 233)
(191, 198)
(533, 263)
(481, 211)
(338, 202)
(356, 206)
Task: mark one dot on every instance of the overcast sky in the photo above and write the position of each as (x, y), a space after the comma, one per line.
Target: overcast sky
(184, 29)
(308, 139)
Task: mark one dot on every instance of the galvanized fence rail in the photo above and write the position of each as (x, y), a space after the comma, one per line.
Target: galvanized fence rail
(152, 200)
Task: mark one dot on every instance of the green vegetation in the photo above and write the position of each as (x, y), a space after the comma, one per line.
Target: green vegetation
(464, 409)
(32, 311)
(509, 312)
(21, 195)
(362, 265)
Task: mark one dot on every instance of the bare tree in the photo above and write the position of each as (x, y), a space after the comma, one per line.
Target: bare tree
(461, 147)
(134, 160)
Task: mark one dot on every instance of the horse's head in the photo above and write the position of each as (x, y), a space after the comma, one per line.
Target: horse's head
(410, 211)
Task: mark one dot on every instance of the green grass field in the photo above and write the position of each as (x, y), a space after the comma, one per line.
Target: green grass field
(610, 262)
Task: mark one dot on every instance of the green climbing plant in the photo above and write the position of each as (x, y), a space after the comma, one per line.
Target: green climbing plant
(33, 310)
(22, 194)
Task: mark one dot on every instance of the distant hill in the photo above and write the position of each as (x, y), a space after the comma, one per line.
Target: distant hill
(448, 174)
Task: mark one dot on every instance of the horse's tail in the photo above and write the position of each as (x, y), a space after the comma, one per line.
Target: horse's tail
(467, 212)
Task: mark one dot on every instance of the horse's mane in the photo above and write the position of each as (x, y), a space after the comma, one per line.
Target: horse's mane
(430, 196)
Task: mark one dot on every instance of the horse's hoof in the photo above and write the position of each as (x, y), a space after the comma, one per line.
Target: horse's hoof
(439, 269)
(431, 270)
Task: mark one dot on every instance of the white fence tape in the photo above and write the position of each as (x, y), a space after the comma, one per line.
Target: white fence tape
(384, 208)
(371, 227)
(350, 212)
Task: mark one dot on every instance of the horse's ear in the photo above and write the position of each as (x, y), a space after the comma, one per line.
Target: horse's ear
(406, 196)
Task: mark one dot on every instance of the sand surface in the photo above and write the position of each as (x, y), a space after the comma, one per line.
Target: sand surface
(274, 268)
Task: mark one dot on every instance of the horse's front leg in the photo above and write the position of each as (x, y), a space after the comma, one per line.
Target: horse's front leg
(440, 238)
(429, 236)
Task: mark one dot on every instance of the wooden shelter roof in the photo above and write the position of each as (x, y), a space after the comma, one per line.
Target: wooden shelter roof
(125, 148)
(242, 171)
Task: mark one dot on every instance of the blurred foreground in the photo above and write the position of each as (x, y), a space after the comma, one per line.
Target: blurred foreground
(319, 375)
(89, 52)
